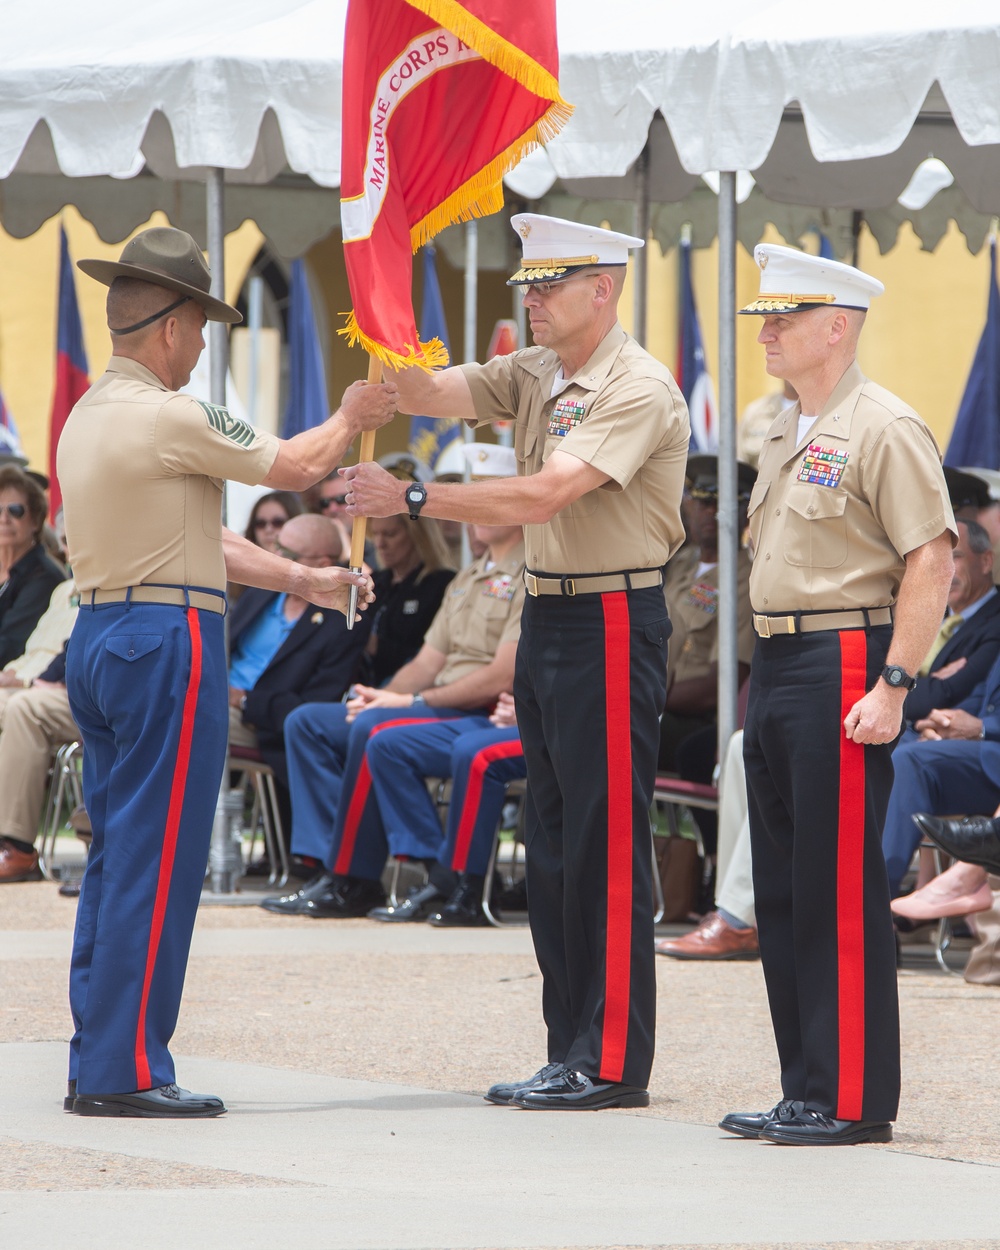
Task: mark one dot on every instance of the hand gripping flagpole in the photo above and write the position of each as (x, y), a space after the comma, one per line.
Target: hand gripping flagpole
(360, 527)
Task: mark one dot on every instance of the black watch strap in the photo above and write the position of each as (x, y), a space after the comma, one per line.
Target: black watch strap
(415, 496)
(898, 678)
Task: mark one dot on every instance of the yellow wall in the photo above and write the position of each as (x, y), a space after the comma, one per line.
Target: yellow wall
(29, 287)
(919, 340)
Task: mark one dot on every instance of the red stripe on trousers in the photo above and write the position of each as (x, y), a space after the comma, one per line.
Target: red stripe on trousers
(850, 887)
(178, 786)
(618, 955)
(473, 793)
(359, 796)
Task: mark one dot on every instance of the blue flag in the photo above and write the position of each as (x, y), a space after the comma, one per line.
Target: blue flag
(429, 436)
(10, 439)
(975, 439)
(307, 400)
(692, 376)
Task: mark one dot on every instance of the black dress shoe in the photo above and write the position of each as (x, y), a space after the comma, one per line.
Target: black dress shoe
(295, 904)
(567, 1090)
(972, 839)
(151, 1104)
(345, 898)
(464, 910)
(813, 1128)
(416, 906)
(752, 1123)
(503, 1095)
(70, 1098)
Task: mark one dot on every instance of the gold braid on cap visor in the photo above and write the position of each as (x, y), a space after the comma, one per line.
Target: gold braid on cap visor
(775, 301)
(553, 267)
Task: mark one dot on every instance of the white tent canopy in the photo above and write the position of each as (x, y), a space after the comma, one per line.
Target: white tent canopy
(177, 86)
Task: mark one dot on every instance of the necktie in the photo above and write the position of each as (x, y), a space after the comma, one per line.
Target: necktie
(948, 627)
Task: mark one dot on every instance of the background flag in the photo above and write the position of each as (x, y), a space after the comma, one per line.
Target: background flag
(307, 399)
(692, 376)
(10, 439)
(71, 364)
(975, 439)
(441, 99)
(429, 436)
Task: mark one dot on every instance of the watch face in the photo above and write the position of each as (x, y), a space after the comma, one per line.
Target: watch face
(894, 677)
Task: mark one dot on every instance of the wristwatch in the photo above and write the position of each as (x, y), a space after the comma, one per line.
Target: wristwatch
(898, 677)
(415, 496)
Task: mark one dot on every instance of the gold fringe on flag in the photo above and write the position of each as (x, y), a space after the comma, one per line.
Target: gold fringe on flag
(428, 356)
(513, 61)
(482, 194)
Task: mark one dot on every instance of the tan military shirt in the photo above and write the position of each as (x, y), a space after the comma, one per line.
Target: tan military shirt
(832, 516)
(758, 417)
(141, 469)
(481, 610)
(622, 413)
(693, 607)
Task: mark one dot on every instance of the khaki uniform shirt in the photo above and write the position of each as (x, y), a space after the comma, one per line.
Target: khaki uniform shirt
(141, 469)
(832, 516)
(693, 608)
(757, 418)
(622, 413)
(481, 610)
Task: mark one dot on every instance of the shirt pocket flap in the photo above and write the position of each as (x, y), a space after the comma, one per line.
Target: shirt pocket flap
(133, 646)
(757, 496)
(818, 503)
(525, 438)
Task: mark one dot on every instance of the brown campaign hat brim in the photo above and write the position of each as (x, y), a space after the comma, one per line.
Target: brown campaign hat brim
(105, 271)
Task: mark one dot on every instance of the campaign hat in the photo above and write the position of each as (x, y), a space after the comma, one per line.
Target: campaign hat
(169, 258)
(553, 249)
(701, 477)
(791, 280)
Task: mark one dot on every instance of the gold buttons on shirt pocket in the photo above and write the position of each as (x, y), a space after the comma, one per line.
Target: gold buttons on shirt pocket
(815, 528)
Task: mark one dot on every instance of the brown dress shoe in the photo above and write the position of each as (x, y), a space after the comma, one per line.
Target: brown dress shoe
(713, 939)
(16, 865)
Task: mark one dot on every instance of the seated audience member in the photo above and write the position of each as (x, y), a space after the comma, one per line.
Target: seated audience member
(34, 722)
(964, 888)
(410, 582)
(268, 514)
(481, 761)
(466, 661)
(953, 764)
(28, 575)
(691, 590)
(969, 639)
(45, 642)
(285, 651)
(730, 930)
(975, 496)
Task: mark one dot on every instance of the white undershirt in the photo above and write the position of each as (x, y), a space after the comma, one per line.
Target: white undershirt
(804, 424)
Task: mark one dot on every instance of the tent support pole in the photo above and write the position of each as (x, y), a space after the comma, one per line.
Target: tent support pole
(216, 234)
(729, 535)
(641, 256)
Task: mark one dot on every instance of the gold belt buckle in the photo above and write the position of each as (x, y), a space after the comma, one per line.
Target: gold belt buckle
(531, 583)
(569, 586)
(763, 627)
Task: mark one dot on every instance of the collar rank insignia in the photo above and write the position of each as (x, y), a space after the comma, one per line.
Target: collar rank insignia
(822, 466)
(565, 415)
(500, 587)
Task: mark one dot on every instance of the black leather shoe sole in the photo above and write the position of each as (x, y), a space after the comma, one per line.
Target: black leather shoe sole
(149, 1105)
(503, 1095)
(70, 1098)
(851, 1134)
(458, 919)
(597, 1100)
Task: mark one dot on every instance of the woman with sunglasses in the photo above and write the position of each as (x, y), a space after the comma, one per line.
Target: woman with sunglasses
(28, 575)
(269, 514)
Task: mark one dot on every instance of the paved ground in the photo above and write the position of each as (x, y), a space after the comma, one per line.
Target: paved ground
(353, 1056)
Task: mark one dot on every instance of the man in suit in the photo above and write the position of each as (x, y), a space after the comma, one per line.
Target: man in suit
(969, 640)
(954, 766)
(285, 651)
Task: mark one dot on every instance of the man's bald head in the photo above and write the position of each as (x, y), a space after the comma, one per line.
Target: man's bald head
(312, 538)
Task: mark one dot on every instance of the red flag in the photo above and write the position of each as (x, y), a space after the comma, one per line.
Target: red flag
(441, 98)
(71, 365)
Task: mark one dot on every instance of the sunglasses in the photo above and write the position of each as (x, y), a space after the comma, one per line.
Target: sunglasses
(326, 500)
(16, 510)
(264, 523)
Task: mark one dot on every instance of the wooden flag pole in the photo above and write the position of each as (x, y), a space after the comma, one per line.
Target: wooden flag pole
(360, 527)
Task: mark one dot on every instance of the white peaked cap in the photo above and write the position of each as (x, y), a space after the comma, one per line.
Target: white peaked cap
(791, 280)
(490, 460)
(552, 248)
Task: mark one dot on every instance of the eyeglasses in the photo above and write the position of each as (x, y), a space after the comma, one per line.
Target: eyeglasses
(16, 510)
(297, 557)
(326, 500)
(546, 288)
(273, 523)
